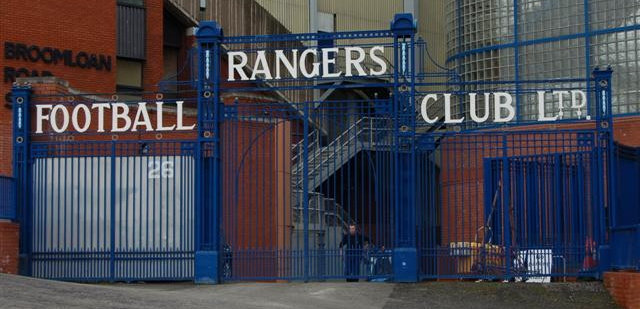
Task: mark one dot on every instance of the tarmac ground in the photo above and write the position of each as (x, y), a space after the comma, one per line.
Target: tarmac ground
(25, 292)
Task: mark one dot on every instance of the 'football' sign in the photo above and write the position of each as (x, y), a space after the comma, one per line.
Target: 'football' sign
(79, 118)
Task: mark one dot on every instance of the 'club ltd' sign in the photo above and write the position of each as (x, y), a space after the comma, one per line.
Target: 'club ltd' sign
(503, 106)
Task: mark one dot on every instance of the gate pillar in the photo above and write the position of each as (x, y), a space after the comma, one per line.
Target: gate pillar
(208, 171)
(21, 171)
(405, 254)
(606, 178)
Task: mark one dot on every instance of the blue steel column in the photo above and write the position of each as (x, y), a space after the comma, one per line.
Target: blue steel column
(305, 192)
(208, 175)
(22, 171)
(405, 255)
(516, 58)
(506, 204)
(605, 162)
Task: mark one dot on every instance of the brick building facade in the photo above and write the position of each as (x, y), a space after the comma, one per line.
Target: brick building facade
(82, 44)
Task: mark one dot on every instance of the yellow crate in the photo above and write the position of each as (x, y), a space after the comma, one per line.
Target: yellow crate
(468, 253)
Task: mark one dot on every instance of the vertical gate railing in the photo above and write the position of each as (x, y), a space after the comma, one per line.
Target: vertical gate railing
(95, 207)
(625, 235)
(7, 204)
(606, 158)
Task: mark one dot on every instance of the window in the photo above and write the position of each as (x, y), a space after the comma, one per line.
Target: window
(129, 76)
(131, 31)
(132, 2)
(171, 68)
(130, 16)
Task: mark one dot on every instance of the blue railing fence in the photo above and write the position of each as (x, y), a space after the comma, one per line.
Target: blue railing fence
(625, 231)
(7, 199)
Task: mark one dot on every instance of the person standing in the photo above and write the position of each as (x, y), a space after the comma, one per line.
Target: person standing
(353, 243)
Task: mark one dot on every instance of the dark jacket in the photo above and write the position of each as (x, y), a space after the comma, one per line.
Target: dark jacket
(353, 241)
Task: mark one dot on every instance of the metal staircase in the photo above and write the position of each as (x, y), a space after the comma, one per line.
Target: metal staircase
(366, 133)
(323, 162)
(326, 218)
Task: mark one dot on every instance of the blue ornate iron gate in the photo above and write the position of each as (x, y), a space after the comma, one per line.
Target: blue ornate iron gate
(103, 207)
(279, 168)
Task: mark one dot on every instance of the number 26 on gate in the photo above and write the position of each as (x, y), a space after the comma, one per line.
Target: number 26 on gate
(160, 169)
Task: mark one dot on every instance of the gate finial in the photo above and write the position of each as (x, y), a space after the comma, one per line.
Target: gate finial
(209, 31)
(404, 24)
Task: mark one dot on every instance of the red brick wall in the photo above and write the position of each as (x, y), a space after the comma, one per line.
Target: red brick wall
(624, 287)
(87, 26)
(188, 42)
(9, 244)
(627, 130)
(153, 69)
(257, 195)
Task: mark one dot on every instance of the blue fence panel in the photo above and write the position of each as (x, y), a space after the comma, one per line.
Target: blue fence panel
(628, 190)
(105, 206)
(7, 203)
(105, 211)
(503, 200)
(625, 234)
(300, 169)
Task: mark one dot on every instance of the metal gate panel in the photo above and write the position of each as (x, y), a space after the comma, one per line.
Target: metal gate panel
(153, 235)
(272, 230)
(71, 236)
(491, 199)
(291, 143)
(302, 165)
(552, 210)
(113, 217)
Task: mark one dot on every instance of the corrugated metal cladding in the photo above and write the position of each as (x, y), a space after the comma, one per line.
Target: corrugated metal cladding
(131, 31)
